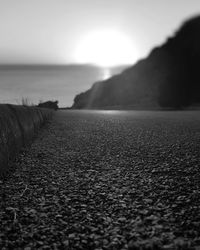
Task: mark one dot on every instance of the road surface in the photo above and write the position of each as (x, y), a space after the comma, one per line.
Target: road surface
(106, 180)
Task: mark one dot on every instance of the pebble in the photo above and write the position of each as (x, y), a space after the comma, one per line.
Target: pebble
(127, 179)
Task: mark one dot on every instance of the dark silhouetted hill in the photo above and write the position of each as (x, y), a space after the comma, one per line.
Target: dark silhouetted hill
(49, 104)
(169, 77)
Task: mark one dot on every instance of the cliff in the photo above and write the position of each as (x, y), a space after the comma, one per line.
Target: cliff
(169, 77)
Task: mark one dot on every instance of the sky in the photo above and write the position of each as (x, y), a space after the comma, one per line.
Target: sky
(101, 32)
(51, 31)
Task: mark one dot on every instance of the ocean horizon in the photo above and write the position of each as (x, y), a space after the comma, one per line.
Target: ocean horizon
(49, 82)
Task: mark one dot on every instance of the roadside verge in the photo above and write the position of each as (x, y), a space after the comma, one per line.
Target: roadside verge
(18, 125)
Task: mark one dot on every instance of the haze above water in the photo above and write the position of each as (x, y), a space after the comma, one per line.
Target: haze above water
(49, 82)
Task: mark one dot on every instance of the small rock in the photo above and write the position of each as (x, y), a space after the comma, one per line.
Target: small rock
(71, 236)
(122, 219)
(66, 243)
(148, 201)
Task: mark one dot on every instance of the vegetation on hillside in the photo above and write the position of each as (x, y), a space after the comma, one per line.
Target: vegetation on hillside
(169, 77)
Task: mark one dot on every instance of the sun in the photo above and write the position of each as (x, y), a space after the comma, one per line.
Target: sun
(106, 48)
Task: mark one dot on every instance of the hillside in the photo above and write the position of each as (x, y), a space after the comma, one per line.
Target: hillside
(169, 77)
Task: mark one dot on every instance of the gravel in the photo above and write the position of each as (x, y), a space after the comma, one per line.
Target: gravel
(106, 180)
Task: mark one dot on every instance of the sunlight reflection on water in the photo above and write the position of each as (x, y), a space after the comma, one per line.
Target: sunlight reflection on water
(111, 112)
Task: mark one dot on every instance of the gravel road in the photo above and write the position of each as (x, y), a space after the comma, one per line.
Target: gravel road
(106, 180)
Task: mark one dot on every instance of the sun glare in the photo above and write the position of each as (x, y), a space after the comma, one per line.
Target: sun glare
(106, 48)
(106, 74)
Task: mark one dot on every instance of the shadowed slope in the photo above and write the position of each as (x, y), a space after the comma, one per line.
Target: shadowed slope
(168, 77)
